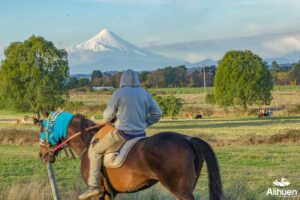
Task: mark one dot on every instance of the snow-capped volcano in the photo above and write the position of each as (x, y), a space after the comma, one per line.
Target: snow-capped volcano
(106, 51)
(105, 40)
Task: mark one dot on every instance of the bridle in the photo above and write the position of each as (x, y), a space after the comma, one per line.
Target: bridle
(60, 146)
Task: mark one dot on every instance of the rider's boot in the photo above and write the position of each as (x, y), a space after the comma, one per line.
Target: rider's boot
(91, 192)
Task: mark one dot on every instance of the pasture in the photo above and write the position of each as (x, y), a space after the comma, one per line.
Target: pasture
(252, 152)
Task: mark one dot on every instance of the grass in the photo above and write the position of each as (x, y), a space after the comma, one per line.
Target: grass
(193, 90)
(234, 128)
(285, 98)
(252, 152)
(247, 170)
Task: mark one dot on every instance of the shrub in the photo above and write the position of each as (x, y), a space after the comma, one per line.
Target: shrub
(169, 105)
(253, 112)
(294, 110)
(73, 106)
(210, 99)
(82, 89)
(205, 112)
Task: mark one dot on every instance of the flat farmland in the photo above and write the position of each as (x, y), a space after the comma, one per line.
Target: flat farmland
(252, 152)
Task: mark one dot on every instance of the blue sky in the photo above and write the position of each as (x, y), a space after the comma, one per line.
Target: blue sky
(145, 22)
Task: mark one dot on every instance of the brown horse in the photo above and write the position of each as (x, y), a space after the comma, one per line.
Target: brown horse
(173, 159)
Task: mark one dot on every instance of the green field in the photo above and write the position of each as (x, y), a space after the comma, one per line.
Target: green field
(247, 169)
(252, 152)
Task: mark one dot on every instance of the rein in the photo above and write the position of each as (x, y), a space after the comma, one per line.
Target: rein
(53, 150)
(59, 146)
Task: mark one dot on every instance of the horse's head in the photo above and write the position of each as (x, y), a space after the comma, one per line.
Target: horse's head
(45, 154)
(79, 132)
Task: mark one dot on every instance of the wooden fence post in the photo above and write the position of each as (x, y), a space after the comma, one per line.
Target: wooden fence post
(52, 182)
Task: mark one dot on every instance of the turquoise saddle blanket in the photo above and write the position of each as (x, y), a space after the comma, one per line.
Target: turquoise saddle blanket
(57, 127)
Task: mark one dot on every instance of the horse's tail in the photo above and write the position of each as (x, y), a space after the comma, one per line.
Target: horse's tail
(203, 149)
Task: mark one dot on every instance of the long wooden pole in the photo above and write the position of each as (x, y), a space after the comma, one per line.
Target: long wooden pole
(204, 81)
(52, 182)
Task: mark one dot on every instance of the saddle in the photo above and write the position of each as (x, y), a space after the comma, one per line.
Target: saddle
(115, 156)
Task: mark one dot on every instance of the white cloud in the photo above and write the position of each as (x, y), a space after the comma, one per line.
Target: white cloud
(284, 45)
(195, 57)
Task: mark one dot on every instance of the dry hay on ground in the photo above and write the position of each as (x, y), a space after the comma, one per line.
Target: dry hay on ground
(18, 136)
(288, 137)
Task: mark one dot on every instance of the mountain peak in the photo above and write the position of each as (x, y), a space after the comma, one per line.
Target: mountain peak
(105, 40)
(105, 33)
(107, 51)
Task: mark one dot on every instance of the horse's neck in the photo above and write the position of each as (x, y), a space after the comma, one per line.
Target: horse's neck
(81, 142)
(79, 147)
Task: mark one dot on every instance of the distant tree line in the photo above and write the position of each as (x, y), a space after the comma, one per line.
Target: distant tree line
(283, 75)
(180, 76)
(166, 77)
(74, 82)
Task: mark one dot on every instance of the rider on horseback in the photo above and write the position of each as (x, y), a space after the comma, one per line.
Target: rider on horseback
(134, 109)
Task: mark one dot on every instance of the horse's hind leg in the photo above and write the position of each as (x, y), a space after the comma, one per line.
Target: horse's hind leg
(182, 190)
(185, 197)
(180, 181)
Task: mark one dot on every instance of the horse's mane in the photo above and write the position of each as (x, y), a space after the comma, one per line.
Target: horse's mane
(85, 123)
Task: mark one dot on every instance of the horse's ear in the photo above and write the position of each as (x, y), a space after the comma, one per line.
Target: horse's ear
(45, 113)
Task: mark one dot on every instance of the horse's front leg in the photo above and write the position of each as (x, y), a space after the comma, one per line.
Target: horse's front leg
(104, 196)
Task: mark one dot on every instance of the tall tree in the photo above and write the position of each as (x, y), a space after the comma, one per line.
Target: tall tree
(242, 78)
(33, 75)
(96, 76)
(72, 83)
(275, 66)
(294, 74)
(180, 77)
(145, 78)
(196, 79)
(169, 76)
(157, 79)
(116, 80)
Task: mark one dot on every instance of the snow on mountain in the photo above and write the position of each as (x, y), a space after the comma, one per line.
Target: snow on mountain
(105, 40)
(106, 51)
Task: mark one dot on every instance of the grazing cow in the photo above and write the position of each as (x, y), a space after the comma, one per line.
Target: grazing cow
(198, 116)
(189, 116)
(263, 113)
(268, 114)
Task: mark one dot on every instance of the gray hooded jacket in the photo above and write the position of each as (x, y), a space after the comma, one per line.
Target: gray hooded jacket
(134, 107)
